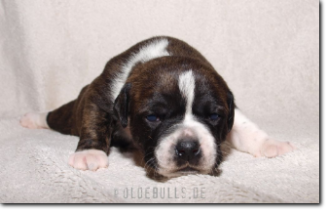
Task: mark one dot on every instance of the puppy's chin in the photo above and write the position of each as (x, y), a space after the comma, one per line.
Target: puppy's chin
(162, 174)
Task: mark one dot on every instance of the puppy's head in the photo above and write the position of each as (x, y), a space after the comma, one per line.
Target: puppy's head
(178, 111)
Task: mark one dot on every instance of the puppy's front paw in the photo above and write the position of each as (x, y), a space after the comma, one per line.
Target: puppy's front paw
(272, 148)
(88, 160)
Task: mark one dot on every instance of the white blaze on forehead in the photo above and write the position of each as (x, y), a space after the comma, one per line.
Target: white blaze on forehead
(187, 89)
(155, 49)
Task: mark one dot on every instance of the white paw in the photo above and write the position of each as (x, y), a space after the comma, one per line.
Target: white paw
(88, 160)
(34, 121)
(272, 148)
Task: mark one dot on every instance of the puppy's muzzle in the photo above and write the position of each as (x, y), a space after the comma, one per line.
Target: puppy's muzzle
(187, 152)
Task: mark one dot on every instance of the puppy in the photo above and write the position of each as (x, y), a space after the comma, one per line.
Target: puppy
(166, 99)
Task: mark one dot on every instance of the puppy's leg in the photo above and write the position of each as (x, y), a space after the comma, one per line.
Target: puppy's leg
(94, 144)
(248, 137)
(60, 119)
(83, 118)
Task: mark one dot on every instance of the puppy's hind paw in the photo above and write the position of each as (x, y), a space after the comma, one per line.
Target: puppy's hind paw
(91, 159)
(34, 121)
(272, 148)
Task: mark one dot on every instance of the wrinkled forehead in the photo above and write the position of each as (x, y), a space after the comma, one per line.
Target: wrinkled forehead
(179, 88)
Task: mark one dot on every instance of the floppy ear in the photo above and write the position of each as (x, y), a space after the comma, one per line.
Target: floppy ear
(231, 106)
(121, 106)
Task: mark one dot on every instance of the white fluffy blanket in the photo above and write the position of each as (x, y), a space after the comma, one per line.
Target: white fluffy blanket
(268, 52)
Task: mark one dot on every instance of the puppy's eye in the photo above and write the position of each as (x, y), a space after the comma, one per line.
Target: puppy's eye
(152, 118)
(214, 117)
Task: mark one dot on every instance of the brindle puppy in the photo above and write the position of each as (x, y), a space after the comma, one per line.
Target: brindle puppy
(166, 99)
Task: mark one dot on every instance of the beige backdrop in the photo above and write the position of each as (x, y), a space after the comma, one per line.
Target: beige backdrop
(268, 52)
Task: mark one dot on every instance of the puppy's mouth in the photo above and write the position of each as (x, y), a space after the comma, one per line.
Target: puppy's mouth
(164, 173)
(188, 170)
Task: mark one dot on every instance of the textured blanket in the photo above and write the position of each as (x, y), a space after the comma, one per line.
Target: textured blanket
(267, 51)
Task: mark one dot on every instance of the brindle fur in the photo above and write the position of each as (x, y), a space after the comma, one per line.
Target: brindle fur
(92, 117)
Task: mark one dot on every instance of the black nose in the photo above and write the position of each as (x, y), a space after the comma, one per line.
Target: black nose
(187, 150)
